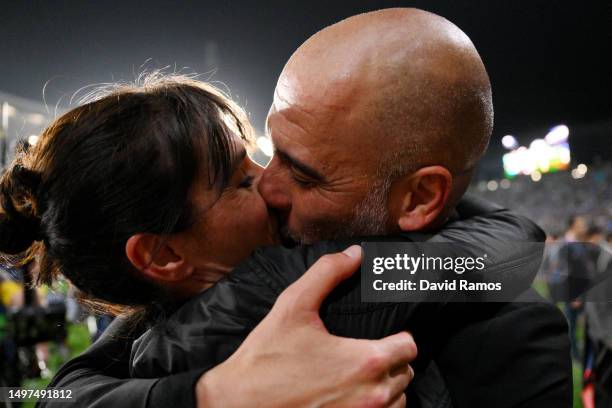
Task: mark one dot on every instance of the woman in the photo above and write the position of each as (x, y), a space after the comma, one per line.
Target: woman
(159, 170)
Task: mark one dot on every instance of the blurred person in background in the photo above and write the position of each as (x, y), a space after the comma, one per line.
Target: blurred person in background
(551, 270)
(576, 266)
(11, 288)
(605, 254)
(598, 311)
(11, 298)
(23, 356)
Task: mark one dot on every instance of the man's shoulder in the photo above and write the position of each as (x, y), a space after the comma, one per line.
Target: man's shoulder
(521, 316)
(506, 322)
(517, 331)
(280, 266)
(520, 351)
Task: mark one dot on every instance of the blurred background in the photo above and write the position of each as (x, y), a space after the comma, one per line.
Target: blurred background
(550, 156)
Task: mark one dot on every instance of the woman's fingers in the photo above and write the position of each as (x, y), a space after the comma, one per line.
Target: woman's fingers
(400, 348)
(399, 379)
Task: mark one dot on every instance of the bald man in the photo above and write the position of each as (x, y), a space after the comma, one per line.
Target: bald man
(378, 122)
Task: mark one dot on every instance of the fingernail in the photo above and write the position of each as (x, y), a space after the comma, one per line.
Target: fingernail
(354, 251)
(411, 372)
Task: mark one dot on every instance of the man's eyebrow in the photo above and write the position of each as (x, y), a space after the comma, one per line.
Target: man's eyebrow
(302, 167)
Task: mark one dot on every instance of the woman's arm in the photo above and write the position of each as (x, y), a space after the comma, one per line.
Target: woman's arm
(346, 372)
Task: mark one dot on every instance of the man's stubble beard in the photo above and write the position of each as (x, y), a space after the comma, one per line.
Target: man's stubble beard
(369, 217)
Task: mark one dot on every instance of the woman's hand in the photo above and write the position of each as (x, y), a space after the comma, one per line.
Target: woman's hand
(291, 360)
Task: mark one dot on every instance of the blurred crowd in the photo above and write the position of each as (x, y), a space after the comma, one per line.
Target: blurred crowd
(556, 197)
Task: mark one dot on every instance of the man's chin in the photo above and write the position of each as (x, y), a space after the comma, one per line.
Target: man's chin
(307, 237)
(290, 238)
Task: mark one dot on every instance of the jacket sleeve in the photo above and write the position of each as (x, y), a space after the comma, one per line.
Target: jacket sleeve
(99, 378)
(517, 357)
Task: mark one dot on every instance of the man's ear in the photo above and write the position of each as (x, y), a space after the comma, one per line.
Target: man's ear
(417, 199)
(156, 259)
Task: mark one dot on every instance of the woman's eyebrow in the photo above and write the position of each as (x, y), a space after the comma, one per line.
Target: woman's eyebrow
(238, 158)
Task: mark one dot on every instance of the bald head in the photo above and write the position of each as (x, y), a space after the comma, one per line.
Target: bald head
(377, 122)
(411, 78)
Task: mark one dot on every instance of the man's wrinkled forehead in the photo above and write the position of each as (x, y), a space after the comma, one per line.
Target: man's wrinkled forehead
(297, 117)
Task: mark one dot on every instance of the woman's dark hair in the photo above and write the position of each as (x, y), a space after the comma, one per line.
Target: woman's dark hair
(121, 164)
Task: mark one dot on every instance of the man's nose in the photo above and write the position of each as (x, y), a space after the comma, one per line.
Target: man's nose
(274, 188)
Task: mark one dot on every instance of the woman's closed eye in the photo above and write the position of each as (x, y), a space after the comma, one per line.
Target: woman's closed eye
(246, 182)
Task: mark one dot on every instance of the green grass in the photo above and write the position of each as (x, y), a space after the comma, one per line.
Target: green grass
(577, 375)
(541, 287)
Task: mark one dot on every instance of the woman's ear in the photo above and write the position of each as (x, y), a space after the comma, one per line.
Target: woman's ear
(417, 199)
(155, 258)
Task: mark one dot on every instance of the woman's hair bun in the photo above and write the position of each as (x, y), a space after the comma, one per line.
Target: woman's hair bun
(20, 226)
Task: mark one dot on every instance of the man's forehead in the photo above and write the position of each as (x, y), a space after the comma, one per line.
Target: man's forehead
(327, 120)
(301, 141)
(321, 116)
(294, 136)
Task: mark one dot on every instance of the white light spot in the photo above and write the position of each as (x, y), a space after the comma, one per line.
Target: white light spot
(265, 145)
(509, 142)
(557, 134)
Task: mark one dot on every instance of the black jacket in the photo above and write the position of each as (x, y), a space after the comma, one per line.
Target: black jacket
(477, 355)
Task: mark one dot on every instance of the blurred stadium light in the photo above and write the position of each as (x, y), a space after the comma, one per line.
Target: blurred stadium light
(580, 171)
(542, 156)
(509, 142)
(32, 140)
(265, 145)
(557, 134)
